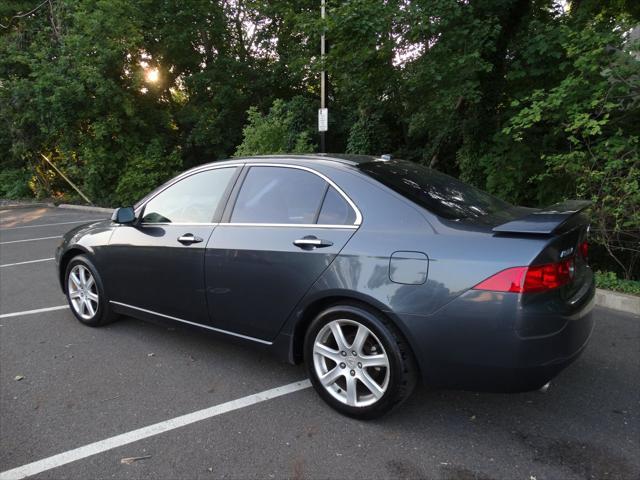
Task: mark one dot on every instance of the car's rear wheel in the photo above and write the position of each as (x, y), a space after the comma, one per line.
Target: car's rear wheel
(358, 361)
(85, 293)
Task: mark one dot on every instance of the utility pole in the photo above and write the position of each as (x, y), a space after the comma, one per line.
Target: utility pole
(323, 113)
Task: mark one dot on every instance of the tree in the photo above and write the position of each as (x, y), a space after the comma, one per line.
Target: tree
(76, 92)
(589, 124)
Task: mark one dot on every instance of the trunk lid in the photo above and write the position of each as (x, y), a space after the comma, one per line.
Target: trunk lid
(556, 218)
(564, 229)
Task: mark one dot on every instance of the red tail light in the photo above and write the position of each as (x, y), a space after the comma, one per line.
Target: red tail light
(536, 278)
(584, 250)
(509, 280)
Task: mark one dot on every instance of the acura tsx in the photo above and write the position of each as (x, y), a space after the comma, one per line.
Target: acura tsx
(375, 272)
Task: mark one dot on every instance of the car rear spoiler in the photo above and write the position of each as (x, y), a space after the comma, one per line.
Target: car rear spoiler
(546, 220)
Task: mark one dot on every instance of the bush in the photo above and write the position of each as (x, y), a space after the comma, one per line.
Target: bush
(610, 281)
(14, 183)
(369, 135)
(283, 130)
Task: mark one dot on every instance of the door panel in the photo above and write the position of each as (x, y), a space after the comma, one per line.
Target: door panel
(255, 275)
(149, 268)
(158, 262)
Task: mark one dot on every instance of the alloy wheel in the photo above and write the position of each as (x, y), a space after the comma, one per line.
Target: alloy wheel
(83, 292)
(351, 363)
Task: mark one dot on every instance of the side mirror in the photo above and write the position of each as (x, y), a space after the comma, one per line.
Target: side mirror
(124, 215)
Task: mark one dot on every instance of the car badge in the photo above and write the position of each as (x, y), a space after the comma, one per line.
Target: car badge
(566, 253)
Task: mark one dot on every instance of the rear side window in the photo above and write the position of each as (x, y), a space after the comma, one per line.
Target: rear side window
(193, 199)
(439, 193)
(335, 210)
(279, 195)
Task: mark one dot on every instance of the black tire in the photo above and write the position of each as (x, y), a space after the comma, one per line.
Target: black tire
(103, 313)
(402, 369)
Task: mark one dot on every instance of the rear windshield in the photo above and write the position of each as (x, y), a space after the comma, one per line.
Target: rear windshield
(439, 193)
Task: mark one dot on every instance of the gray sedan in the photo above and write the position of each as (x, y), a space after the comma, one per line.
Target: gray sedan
(376, 273)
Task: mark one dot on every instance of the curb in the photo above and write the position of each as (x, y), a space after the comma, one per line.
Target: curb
(17, 205)
(11, 204)
(618, 301)
(86, 208)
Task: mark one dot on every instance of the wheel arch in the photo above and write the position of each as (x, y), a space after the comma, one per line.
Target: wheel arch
(318, 304)
(67, 256)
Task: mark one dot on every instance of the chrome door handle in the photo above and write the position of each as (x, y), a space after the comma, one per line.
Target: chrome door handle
(309, 242)
(188, 239)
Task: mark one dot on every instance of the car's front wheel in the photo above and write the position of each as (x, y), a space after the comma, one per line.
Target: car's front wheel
(85, 293)
(358, 361)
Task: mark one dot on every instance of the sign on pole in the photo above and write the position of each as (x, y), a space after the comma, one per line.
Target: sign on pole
(323, 119)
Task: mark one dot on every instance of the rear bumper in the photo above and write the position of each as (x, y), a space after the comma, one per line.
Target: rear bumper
(485, 341)
(533, 363)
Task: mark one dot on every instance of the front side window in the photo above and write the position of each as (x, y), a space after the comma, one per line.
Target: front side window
(279, 195)
(193, 199)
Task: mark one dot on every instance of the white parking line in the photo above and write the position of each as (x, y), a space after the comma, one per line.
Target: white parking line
(28, 261)
(149, 431)
(30, 240)
(31, 312)
(52, 224)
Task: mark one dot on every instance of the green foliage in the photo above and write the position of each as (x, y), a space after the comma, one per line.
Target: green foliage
(282, 130)
(14, 183)
(368, 135)
(589, 125)
(610, 281)
(146, 171)
(61, 92)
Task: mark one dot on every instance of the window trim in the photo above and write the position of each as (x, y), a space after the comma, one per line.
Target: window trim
(321, 205)
(249, 165)
(219, 209)
(289, 225)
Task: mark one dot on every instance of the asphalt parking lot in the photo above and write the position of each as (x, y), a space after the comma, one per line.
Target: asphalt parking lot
(81, 386)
